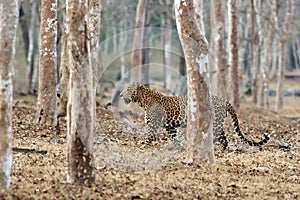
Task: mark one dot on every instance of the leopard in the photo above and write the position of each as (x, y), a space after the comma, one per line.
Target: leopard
(170, 112)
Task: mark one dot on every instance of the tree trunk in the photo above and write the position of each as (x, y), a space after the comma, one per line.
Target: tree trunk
(64, 73)
(233, 58)
(46, 105)
(24, 28)
(266, 49)
(8, 29)
(136, 59)
(282, 60)
(123, 41)
(200, 115)
(30, 55)
(182, 67)
(166, 41)
(253, 54)
(259, 9)
(297, 51)
(275, 58)
(94, 21)
(93, 31)
(81, 102)
(295, 55)
(218, 53)
(270, 44)
(146, 45)
(200, 9)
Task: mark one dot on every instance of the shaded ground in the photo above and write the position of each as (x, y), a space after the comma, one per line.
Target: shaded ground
(125, 171)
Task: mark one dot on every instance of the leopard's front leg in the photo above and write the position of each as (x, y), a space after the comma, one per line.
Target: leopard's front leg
(151, 129)
(154, 118)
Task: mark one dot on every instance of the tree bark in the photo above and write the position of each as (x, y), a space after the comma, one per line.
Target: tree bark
(166, 40)
(146, 53)
(259, 8)
(123, 40)
(30, 55)
(82, 89)
(275, 58)
(136, 59)
(218, 53)
(268, 51)
(93, 29)
(24, 28)
(47, 100)
(282, 60)
(253, 54)
(8, 29)
(200, 115)
(64, 71)
(182, 66)
(297, 51)
(200, 10)
(233, 58)
(265, 49)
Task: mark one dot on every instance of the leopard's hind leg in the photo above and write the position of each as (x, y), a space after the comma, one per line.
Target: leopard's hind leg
(220, 134)
(173, 135)
(154, 118)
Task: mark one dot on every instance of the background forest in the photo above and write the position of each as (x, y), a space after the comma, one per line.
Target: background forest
(254, 61)
(260, 27)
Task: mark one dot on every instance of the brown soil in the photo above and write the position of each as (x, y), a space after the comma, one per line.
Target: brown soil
(126, 171)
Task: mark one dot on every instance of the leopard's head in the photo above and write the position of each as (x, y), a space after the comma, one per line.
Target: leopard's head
(131, 93)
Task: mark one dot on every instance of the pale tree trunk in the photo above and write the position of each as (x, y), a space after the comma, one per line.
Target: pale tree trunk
(297, 50)
(271, 37)
(24, 28)
(100, 86)
(182, 66)
(233, 58)
(94, 21)
(282, 60)
(106, 44)
(136, 59)
(123, 41)
(212, 49)
(166, 40)
(253, 53)
(114, 39)
(266, 49)
(146, 53)
(295, 55)
(25, 35)
(81, 102)
(46, 105)
(200, 115)
(8, 28)
(243, 30)
(30, 55)
(275, 58)
(63, 69)
(259, 9)
(217, 51)
(93, 31)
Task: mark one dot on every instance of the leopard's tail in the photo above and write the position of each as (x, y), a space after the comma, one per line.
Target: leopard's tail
(235, 121)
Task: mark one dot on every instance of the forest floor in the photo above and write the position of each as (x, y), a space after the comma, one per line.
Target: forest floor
(126, 171)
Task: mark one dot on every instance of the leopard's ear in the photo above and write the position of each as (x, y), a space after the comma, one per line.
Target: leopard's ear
(140, 86)
(136, 84)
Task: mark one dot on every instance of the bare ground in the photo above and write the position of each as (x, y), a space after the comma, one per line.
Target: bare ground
(126, 171)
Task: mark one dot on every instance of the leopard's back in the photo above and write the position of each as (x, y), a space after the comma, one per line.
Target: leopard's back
(175, 111)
